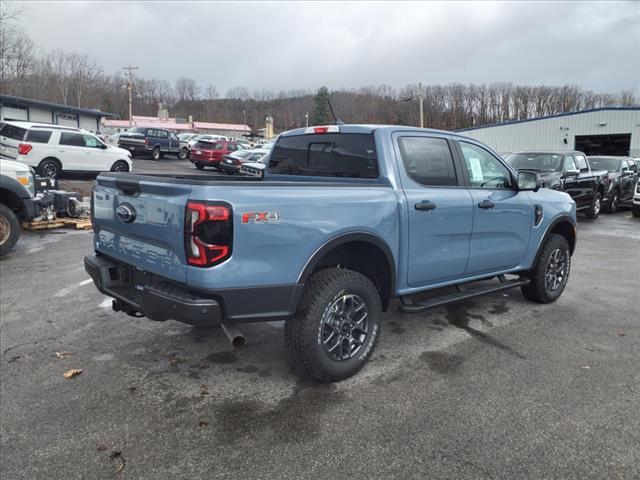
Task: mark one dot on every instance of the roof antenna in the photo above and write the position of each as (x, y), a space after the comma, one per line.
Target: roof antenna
(336, 119)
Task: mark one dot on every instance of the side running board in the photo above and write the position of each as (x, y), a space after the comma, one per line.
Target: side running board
(409, 307)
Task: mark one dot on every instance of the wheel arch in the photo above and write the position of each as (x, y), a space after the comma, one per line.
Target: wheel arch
(363, 252)
(51, 157)
(563, 225)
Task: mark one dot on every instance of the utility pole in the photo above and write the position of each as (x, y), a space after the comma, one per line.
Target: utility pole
(421, 100)
(130, 70)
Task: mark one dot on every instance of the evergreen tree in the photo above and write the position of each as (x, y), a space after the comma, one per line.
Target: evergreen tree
(321, 114)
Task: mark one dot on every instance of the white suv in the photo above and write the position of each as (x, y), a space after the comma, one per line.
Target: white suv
(52, 149)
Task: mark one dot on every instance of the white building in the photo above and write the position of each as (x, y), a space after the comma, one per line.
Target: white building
(28, 110)
(599, 131)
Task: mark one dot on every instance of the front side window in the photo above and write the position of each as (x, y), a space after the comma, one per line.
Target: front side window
(91, 141)
(351, 155)
(72, 139)
(485, 170)
(569, 164)
(633, 166)
(218, 146)
(428, 161)
(625, 167)
(163, 134)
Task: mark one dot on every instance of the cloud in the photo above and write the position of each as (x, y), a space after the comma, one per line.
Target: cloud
(287, 45)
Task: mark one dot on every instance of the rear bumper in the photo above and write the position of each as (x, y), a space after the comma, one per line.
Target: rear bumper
(194, 157)
(134, 147)
(160, 299)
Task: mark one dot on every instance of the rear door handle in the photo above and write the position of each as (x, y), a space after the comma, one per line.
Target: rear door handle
(486, 204)
(425, 205)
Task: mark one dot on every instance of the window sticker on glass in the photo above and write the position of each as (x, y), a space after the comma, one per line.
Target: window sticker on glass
(476, 169)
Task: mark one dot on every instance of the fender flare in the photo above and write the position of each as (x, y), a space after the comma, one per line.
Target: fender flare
(556, 221)
(346, 238)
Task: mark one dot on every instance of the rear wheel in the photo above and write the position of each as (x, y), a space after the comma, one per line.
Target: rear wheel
(550, 274)
(594, 209)
(9, 229)
(636, 212)
(155, 153)
(334, 332)
(120, 166)
(49, 167)
(199, 166)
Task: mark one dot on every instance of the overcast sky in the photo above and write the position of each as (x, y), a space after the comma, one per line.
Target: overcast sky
(282, 46)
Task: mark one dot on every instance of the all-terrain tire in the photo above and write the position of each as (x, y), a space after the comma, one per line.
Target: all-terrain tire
(594, 209)
(9, 229)
(304, 332)
(538, 289)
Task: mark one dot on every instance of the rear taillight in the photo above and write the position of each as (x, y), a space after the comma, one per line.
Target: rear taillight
(24, 148)
(208, 233)
(146, 141)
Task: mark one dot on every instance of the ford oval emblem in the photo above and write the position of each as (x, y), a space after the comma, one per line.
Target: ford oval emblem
(126, 212)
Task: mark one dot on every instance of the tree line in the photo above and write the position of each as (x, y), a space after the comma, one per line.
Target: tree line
(76, 79)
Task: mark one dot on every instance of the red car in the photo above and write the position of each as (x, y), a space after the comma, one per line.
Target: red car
(206, 153)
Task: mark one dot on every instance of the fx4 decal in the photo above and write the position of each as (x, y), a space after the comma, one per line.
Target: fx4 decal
(261, 217)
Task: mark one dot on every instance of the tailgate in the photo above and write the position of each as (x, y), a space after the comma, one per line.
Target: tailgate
(154, 240)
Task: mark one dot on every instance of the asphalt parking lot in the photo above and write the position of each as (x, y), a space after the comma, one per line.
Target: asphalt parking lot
(497, 387)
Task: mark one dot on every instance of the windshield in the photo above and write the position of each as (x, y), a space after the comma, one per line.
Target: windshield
(538, 162)
(604, 163)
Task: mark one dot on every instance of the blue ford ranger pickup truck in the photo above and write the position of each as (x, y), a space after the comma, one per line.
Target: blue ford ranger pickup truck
(345, 218)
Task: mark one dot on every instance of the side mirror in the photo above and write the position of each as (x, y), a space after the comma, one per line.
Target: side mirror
(103, 146)
(528, 181)
(570, 173)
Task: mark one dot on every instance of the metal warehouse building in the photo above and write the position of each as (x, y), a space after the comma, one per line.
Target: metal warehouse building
(599, 131)
(25, 109)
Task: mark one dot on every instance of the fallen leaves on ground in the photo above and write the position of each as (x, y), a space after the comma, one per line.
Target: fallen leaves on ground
(173, 361)
(113, 455)
(74, 372)
(203, 424)
(63, 354)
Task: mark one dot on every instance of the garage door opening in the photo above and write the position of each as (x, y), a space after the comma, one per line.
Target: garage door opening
(616, 144)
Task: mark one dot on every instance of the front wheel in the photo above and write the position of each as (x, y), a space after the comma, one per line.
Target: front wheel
(594, 209)
(183, 154)
(550, 274)
(9, 229)
(612, 205)
(334, 332)
(120, 166)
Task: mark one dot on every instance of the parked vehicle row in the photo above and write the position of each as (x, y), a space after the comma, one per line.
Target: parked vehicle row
(54, 149)
(595, 183)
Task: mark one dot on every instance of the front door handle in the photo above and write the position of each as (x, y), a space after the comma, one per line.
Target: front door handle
(486, 204)
(425, 205)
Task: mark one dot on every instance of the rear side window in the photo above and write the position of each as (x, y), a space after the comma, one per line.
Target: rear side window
(38, 136)
(11, 131)
(218, 146)
(72, 139)
(428, 161)
(350, 155)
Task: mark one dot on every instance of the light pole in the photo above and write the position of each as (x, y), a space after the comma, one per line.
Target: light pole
(244, 117)
(130, 70)
(421, 100)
